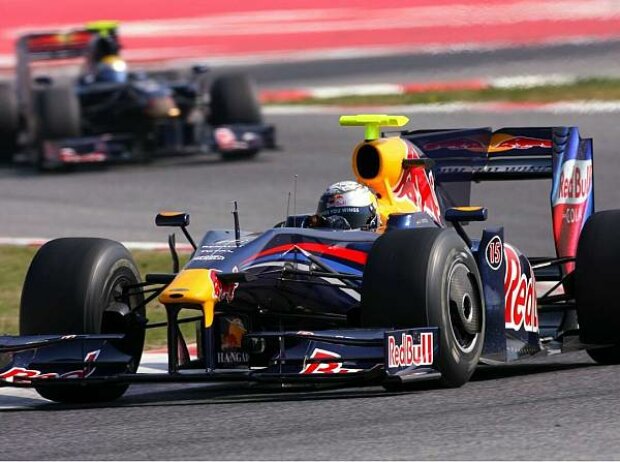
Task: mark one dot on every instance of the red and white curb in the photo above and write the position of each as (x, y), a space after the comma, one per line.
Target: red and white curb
(328, 92)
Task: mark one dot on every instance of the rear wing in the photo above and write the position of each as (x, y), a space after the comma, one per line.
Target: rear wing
(560, 154)
(66, 44)
(485, 155)
(54, 45)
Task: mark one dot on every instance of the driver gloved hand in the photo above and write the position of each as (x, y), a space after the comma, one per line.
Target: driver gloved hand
(337, 222)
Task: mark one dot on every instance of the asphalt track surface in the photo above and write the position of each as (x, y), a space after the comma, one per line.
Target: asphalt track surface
(121, 203)
(580, 59)
(562, 407)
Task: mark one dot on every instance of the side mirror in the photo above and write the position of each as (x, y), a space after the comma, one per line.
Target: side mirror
(460, 214)
(198, 69)
(134, 76)
(178, 219)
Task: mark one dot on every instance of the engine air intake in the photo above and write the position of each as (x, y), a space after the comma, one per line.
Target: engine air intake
(368, 161)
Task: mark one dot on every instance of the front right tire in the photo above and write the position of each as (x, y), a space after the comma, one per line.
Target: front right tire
(428, 278)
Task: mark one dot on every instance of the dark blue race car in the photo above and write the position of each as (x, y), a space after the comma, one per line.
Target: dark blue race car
(314, 301)
(106, 113)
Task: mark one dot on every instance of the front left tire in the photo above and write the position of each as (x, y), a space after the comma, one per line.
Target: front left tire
(75, 286)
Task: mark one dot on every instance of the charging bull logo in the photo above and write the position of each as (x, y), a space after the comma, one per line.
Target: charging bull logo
(521, 310)
(418, 186)
(223, 291)
(504, 142)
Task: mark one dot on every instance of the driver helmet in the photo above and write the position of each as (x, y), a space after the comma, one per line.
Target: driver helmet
(352, 201)
(112, 69)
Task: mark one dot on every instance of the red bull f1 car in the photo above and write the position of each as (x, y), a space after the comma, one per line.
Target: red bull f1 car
(107, 114)
(417, 299)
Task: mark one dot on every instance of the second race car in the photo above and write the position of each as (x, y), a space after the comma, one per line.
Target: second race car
(108, 114)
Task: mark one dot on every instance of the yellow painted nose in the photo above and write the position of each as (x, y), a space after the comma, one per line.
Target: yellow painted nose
(195, 286)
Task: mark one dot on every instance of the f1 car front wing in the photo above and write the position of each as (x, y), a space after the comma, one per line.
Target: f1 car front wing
(344, 356)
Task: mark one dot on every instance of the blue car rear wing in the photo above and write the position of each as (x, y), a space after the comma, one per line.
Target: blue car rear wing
(459, 157)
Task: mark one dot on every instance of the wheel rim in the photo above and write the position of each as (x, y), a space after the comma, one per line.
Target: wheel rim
(119, 318)
(465, 308)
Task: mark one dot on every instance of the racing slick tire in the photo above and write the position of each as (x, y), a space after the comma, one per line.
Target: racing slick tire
(596, 277)
(428, 278)
(75, 286)
(59, 113)
(239, 155)
(234, 101)
(58, 116)
(9, 122)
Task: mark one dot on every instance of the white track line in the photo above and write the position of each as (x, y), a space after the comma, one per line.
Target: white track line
(573, 107)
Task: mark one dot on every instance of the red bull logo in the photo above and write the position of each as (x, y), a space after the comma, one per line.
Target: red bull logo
(20, 374)
(575, 182)
(409, 353)
(521, 310)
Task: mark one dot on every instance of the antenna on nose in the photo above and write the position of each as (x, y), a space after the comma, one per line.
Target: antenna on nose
(295, 200)
(235, 213)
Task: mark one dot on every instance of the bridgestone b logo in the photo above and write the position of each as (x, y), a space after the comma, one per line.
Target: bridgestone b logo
(409, 354)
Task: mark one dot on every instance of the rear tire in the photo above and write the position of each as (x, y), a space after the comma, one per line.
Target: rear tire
(234, 101)
(428, 278)
(59, 117)
(9, 122)
(59, 113)
(596, 277)
(74, 286)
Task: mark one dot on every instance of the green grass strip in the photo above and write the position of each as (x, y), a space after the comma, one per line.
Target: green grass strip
(14, 262)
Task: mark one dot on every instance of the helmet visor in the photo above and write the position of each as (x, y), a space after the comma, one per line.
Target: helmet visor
(358, 217)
